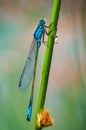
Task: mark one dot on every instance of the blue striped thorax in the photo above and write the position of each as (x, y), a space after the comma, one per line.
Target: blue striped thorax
(39, 32)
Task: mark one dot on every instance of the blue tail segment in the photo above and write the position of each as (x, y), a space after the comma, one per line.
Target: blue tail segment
(29, 112)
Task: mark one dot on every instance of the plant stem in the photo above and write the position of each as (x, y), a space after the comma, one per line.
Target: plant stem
(48, 57)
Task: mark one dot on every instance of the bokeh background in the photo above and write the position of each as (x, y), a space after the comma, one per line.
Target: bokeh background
(66, 94)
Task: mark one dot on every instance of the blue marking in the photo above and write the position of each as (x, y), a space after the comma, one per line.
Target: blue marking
(29, 112)
(39, 32)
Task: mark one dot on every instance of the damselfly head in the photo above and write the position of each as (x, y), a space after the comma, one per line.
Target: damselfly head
(42, 21)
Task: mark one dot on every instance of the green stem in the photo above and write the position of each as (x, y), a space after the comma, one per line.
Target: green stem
(48, 57)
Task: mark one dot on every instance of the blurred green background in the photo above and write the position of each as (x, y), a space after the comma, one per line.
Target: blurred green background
(66, 93)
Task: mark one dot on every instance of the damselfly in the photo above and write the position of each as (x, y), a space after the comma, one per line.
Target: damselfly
(29, 70)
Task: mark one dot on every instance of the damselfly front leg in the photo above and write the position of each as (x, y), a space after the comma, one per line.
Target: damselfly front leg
(48, 33)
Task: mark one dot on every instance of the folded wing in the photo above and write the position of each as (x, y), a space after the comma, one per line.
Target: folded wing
(28, 70)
